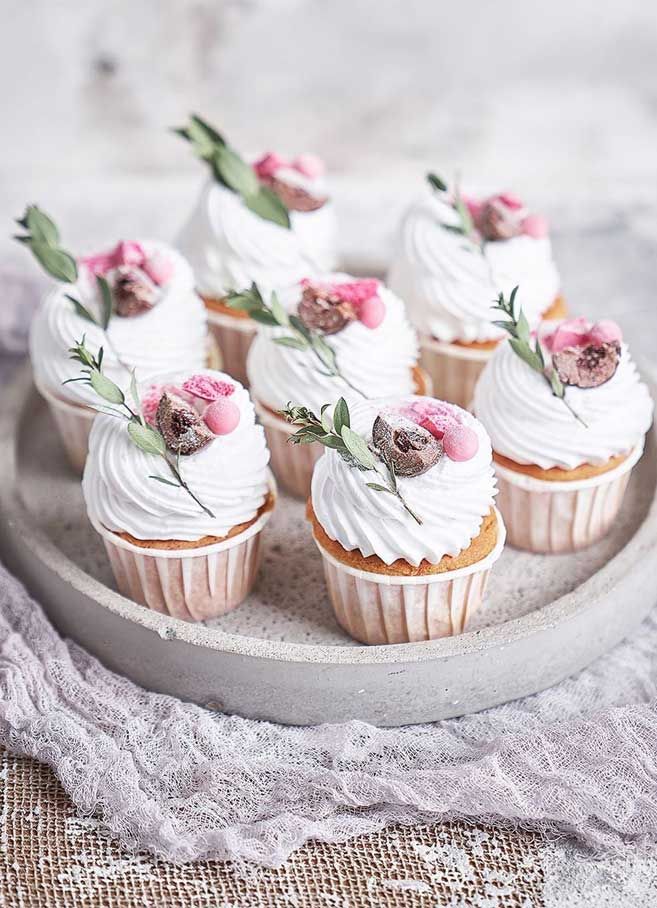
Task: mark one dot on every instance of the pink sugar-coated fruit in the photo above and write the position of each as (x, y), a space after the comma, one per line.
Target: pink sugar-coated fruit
(511, 200)
(473, 205)
(605, 332)
(535, 226)
(128, 253)
(98, 264)
(207, 387)
(372, 312)
(268, 164)
(222, 416)
(570, 333)
(309, 165)
(460, 443)
(159, 268)
(150, 401)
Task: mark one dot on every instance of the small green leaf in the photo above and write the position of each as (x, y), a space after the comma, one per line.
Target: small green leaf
(105, 301)
(134, 393)
(522, 328)
(327, 424)
(167, 482)
(512, 302)
(267, 205)
(198, 123)
(556, 384)
(297, 343)
(106, 388)
(357, 447)
(244, 301)
(527, 354)
(538, 350)
(80, 309)
(378, 488)
(55, 262)
(341, 415)
(436, 183)
(41, 227)
(148, 439)
(326, 352)
(263, 317)
(299, 326)
(332, 441)
(234, 172)
(279, 312)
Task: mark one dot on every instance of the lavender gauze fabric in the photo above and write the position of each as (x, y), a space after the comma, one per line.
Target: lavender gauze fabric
(187, 783)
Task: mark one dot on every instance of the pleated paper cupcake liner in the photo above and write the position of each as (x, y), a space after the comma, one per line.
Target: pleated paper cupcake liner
(234, 336)
(558, 517)
(73, 423)
(384, 608)
(453, 369)
(191, 584)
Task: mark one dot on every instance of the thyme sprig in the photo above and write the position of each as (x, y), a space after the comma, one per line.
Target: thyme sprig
(300, 337)
(144, 436)
(517, 326)
(336, 432)
(42, 239)
(465, 226)
(231, 171)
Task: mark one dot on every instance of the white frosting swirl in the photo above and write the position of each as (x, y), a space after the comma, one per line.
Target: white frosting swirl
(377, 361)
(172, 333)
(451, 498)
(229, 476)
(229, 246)
(528, 424)
(449, 286)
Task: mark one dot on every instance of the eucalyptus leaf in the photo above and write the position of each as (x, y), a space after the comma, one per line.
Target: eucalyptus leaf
(106, 388)
(268, 206)
(235, 173)
(55, 262)
(264, 317)
(378, 488)
(167, 482)
(41, 227)
(105, 301)
(332, 441)
(526, 353)
(341, 415)
(299, 326)
(325, 351)
(297, 343)
(244, 301)
(209, 131)
(278, 310)
(134, 393)
(358, 448)
(436, 183)
(556, 384)
(148, 439)
(327, 424)
(522, 327)
(81, 310)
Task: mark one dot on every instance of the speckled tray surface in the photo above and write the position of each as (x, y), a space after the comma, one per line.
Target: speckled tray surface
(282, 655)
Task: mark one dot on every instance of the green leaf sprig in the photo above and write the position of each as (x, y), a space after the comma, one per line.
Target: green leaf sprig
(229, 169)
(42, 238)
(517, 326)
(300, 337)
(336, 433)
(465, 226)
(144, 436)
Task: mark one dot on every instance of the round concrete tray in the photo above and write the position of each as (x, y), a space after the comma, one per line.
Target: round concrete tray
(281, 656)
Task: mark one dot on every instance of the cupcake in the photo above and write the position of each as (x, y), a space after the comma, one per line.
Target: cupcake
(402, 513)
(333, 336)
(180, 494)
(567, 425)
(454, 254)
(137, 301)
(270, 221)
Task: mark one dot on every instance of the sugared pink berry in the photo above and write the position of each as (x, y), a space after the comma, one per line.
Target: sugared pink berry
(372, 312)
(570, 333)
(150, 401)
(159, 268)
(309, 165)
(266, 166)
(222, 416)
(208, 388)
(511, 200)
(460, 442)
(128, 253)
(535, 226)
(605, 332)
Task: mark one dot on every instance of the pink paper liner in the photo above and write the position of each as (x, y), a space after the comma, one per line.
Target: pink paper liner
(558, 517)
(385, 609)
(453, 369)
(191, 584)
(234, 337)
(73, 423)
(292, 465)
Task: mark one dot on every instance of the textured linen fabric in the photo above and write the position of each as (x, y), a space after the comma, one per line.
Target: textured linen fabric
(186, 783)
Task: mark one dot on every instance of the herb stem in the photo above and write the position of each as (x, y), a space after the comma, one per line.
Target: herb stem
(335, 372)
(176, 473)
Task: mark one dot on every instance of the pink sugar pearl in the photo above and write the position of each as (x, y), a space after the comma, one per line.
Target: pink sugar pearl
(222, 416)
(535, 226)
(605, 332)
(372, 312)
(460, 443)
